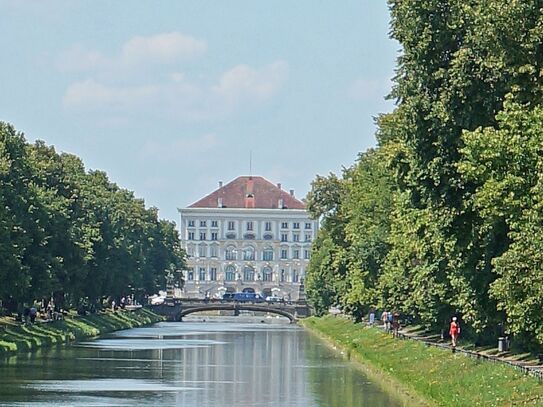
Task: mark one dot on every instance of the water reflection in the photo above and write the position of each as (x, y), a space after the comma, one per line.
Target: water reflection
(220, 363)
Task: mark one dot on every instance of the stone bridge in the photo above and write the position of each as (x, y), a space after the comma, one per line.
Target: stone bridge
(176, 309)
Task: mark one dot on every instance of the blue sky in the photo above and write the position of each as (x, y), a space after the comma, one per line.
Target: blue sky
(169, 97)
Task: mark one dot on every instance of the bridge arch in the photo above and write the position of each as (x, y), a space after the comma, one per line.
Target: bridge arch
(235, 307)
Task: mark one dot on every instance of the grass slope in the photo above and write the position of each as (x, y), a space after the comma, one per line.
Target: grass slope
(443, 378)
(15, 337)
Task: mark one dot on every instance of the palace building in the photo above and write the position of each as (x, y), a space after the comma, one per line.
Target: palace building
(247, 236)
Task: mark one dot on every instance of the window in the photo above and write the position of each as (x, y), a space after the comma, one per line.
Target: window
(213, 274)
(283, 274)
(284, 254)
(267, 274)
(296, 254)
(249, 236)
(230, 235)
(268, 236)
(306, 254)
(295, 237)
(249, 253)
(214, 251)
(308, 225)
(202, 250)
(214, 236)
(294, 276)
(191, 223)
(296, 225)
(267, 226)
(230, 274)
(190, 274)
(249, 225)
(214, 224)
(191, 236)
(267, 254)
(284, 237)
(202, 235)
(248, 274)
(190, 250)
(284, 225)
(230, 253)
(202, 223)
(202, 274)
(308, 237)
(231, 225)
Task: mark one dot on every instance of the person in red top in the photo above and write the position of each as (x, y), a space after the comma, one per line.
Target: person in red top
(454, 331)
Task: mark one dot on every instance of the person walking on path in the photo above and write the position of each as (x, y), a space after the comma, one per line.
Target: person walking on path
(454, 331)
(384, 318)
(395, 324)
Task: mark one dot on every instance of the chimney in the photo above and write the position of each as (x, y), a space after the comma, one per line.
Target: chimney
(279, 185)
(219, 203)
(280, 204)
(220, 184)
(291, 192)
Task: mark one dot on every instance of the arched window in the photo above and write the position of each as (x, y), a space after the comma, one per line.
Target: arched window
(230, 253)
(267, 274)
(248, 253)
(267, 254)
(230, 274)
(248, 274)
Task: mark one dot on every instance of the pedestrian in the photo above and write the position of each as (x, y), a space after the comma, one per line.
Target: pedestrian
(32, 313)
(390, 318)
(113, 305)
(395, 324)
(384, 319)
(372, 316)
(454, 331)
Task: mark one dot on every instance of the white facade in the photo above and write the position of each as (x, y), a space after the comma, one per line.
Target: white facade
(235, 249)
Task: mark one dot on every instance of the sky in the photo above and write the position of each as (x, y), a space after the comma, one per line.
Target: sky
(171, 97)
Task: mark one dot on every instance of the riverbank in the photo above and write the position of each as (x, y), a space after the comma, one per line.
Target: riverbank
(437, 375)
(15, 337)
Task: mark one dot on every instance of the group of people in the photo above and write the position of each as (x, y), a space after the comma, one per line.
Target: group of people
(122, 303)
(46, 313)
(391, 323)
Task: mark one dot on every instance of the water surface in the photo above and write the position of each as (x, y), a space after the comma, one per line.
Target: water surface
(220, 362)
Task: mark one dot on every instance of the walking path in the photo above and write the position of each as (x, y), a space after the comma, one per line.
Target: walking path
(525, 362)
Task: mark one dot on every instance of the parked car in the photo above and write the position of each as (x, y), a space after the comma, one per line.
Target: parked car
(248, 297)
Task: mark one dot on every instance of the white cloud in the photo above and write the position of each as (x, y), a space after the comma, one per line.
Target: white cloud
(243, 82)
(92, 95)
(178, 97)
(137, 52)
(168, 47)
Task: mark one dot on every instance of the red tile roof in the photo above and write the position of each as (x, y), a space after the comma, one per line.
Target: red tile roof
(249, 192)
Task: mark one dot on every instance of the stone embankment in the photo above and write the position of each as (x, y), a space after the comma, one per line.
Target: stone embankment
(16, 337)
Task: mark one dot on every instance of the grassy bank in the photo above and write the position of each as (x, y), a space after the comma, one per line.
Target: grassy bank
(441, 377)
(15, 337)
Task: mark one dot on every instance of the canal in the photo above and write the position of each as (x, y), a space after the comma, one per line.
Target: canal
(220, 362)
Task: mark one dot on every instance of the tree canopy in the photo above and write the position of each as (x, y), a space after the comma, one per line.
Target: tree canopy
(438, 222)
(72, 234)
